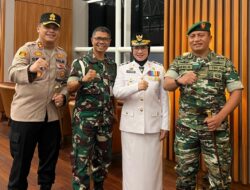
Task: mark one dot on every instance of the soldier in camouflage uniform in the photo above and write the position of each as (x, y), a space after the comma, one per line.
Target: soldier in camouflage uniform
(92, 78)
(202, 127)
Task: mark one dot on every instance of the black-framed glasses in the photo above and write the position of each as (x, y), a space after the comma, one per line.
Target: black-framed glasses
(104, 39)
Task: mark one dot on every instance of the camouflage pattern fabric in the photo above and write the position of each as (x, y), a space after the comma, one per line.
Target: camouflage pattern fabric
(215, 73)
(91, 155)
(92, 121)
(189, 143)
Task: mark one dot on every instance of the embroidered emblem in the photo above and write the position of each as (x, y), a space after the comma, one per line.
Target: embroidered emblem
(52, 17)
(203, 25)
(22, 54)
(139, 37)
(38, 53)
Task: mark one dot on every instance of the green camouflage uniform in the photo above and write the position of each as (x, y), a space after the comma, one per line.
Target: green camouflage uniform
(92, 121)
(215, 73)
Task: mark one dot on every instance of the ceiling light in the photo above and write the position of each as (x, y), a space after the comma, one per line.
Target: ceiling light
(94, 1)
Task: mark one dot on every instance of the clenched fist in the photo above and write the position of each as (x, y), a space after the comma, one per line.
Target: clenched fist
(91, 74)
(142, 85)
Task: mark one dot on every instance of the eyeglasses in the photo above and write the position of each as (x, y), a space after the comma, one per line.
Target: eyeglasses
(137, 48)
(104, 39)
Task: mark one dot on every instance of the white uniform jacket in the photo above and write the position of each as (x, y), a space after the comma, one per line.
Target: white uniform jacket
(142, 111)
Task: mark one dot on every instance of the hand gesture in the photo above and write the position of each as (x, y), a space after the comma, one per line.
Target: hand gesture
(39, 65)
(58, 99)
(142, 85)
(213, 122)
(188, 78)
(91, 75)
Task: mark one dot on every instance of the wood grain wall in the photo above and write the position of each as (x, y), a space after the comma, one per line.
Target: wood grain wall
(27, 16)
(230, 30)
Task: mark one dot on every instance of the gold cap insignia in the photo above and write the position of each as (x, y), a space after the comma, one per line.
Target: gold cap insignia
(139, 41)
(139, 37)
(52, 17)
(203, 25)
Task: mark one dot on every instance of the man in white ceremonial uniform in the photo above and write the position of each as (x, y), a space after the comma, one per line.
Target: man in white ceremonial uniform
(144, 118)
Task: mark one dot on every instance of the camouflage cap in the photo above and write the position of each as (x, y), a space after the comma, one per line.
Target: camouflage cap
(140, 41)
(199, 26)
(50, 18)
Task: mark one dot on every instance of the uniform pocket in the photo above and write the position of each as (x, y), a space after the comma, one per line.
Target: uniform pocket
(14, 143)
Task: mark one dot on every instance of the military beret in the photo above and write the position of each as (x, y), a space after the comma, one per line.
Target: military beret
(199, 26)
(50, 18)
(140, 40)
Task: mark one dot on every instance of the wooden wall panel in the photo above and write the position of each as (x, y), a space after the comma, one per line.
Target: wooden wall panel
(211, 18)
(230, 30)
(204, 10)
(218, 24)
(197, 14)
(234, 119)
(184, 26)
(244, 65)
(65, 4)
(171, 56)
(27, 15)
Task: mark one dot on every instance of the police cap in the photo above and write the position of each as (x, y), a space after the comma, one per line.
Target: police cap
(199, 26)
(50, 18)
(140, 40)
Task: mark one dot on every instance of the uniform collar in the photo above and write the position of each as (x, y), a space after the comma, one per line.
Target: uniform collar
(208, 57)
(92, 58)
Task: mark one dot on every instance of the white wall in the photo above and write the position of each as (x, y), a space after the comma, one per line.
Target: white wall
(9, 36)
(80, 25)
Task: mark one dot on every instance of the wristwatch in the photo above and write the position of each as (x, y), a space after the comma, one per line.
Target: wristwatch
(176, 80)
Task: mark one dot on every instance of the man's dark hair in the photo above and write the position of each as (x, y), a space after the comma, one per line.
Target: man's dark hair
(101, 29)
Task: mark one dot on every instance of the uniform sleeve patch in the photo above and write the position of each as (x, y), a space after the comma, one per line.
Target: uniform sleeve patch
(22, 54)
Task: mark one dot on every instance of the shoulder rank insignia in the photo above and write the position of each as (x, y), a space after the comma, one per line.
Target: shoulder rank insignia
(40, 44)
